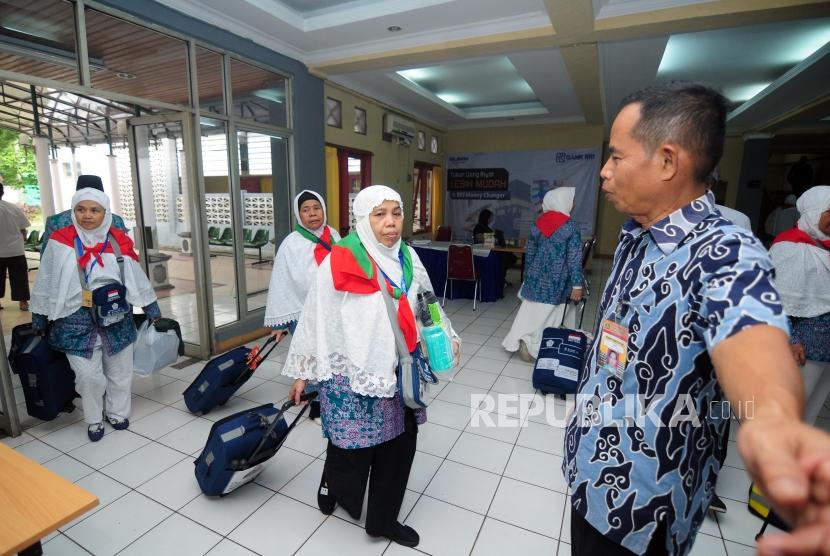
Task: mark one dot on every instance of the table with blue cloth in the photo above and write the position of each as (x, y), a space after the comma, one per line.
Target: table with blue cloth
(488, 265)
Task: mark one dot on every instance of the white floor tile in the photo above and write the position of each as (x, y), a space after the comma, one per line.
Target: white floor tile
(448, 414)
(13, 442)
(423, 470)
(117, 525)
(735, 549)
(267, 392)
(280, 526)
(471, 338)
(142, 385)
(142, 407)
(708, 546)
(143, 464)
(733, 458)
(59, 422)
(497, 353)
(738, 525)
(38, 451)
(68, 438)
(497, 539)
(564, 549)
(565, 532)
(234, 405)
(551, 410)
(537, 468)
(461, 394)
(436, 439)
(477, 379)
(523, 371)
(167, 394)
(230, 548)
(61, 545)
(114, 445)
(174, 487)
(510, 385)
(106, 489)
(68, 468)
(161, 422)
(175, 535)
(445, 530)
(189, 437)
(481, 452)
(733, 483)
(463, 486)
(710, 525)
(486, 365)
(495, 425)
(529, 507)
(284, 466)
(542, 437)
(223, 515)
(350, 540)
(307, 437)
(304, 486)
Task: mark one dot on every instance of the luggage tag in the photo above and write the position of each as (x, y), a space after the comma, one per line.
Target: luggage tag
(86, 298)
(613, 345)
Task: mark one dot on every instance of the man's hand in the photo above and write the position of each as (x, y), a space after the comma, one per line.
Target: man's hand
(790, 462)
(297, 390)
(799, 354)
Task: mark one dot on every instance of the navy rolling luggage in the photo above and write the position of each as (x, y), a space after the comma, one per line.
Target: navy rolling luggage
(239, 446)
(560, 360)
(21, 334)
(48, 381)
(223, 376)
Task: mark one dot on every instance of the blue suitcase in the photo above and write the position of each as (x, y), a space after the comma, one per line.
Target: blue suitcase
(21, 334)
(239, 446)
(48, 381)
(223, 376)
(560, 360)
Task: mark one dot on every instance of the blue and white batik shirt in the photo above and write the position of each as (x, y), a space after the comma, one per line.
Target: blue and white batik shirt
(649, 446)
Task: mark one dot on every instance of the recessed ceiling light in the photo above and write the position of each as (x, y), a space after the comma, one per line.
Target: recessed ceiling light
(125, 75)
(394, 28)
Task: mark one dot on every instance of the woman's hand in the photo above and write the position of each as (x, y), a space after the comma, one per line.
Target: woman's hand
(278, 334)
(799, 354)
(297, 390)
(576, 294)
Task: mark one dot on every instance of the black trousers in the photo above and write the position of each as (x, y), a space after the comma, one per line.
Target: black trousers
(18, 277)
(385, 466)
(587, 541)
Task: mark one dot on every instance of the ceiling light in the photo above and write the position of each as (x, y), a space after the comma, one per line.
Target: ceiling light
(415, 74)
(125, 75)
(394, 28)
(450, 98)
(743, 93)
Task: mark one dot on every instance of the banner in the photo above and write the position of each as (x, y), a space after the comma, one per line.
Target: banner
(512, 185)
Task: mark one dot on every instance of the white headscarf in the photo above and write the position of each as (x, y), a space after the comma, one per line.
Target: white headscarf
(560, 199)
(386, 257)
(91, 238)
(319, 231)
(802, 271)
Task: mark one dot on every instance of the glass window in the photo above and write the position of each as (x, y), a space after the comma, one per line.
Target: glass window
(38, 38)
(219, 216)
(258, 94)
(209, 75)
(263, 174)
(136, 61)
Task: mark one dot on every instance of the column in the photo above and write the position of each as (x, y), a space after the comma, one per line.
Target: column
(44, 175)
(115, 187)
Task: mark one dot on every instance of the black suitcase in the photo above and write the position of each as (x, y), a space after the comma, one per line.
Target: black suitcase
(48, 381)
(223, 376)
(21, 334)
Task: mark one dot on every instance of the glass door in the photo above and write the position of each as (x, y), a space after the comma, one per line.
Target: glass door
(164, 227)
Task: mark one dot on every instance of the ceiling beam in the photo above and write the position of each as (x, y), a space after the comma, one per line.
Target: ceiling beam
(582, 62)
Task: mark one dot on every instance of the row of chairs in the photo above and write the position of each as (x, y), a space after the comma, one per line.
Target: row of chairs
(250, 240)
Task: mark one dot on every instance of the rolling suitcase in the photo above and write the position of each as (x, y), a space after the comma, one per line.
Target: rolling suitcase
(561, 356)
(239, 446)
(21, 334)
(48, 381)
(223, 375)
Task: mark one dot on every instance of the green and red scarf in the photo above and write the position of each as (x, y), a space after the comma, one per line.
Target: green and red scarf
(322, 245)
(352, 270)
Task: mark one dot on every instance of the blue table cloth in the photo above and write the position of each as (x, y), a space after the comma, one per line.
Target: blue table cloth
(489, 269)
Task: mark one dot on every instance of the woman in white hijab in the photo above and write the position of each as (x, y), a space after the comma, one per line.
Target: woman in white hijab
(100, 354)
(345, 341)
(295, 267)
(553, 274)
(801, 257)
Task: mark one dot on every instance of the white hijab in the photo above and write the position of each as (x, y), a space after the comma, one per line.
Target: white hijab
(560, 199)
(91, 238)
(386, 257)
(802, 271)
(319, 231)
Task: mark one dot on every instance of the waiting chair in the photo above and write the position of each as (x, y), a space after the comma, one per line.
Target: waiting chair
(247, 235)
(226, 238)
(461, 266)
(444, 233)
(32, 242)
(259, 241)
(213, 235)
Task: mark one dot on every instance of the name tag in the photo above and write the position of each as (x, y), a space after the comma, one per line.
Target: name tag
(613, 348)
(86, 298)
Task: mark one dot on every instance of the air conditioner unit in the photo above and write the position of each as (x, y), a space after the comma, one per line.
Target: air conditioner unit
(396, 125)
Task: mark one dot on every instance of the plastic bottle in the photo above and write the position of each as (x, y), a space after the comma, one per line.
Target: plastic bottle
(438, 343)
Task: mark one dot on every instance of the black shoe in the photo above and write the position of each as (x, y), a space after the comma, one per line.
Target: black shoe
(717, 505)
(404, 535)
(325, 501)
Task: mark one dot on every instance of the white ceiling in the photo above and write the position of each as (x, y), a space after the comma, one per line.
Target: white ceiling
(529, 84)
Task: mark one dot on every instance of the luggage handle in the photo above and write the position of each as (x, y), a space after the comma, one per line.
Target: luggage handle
(565, 312)
(287, 405)
(254, 358)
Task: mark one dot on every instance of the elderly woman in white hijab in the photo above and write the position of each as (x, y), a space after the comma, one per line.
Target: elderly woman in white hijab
(295, 267)
(553, 274)
(801, 256)
(78, 261)
(346, 342)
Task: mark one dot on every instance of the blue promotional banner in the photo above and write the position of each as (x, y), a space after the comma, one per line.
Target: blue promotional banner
(475, 181)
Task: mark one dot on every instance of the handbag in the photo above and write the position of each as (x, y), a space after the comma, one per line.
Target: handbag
(414, 374)
(109, 302)
(154, 349)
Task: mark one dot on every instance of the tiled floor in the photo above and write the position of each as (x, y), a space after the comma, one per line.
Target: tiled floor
(473, 489)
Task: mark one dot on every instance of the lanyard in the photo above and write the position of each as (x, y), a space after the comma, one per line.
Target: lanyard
(403, 278)
(79, 249)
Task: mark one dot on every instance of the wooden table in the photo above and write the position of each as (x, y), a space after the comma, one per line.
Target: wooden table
(516, 251)
(34, 502)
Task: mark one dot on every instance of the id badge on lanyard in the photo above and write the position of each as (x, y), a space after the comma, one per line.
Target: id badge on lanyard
(613, 345)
